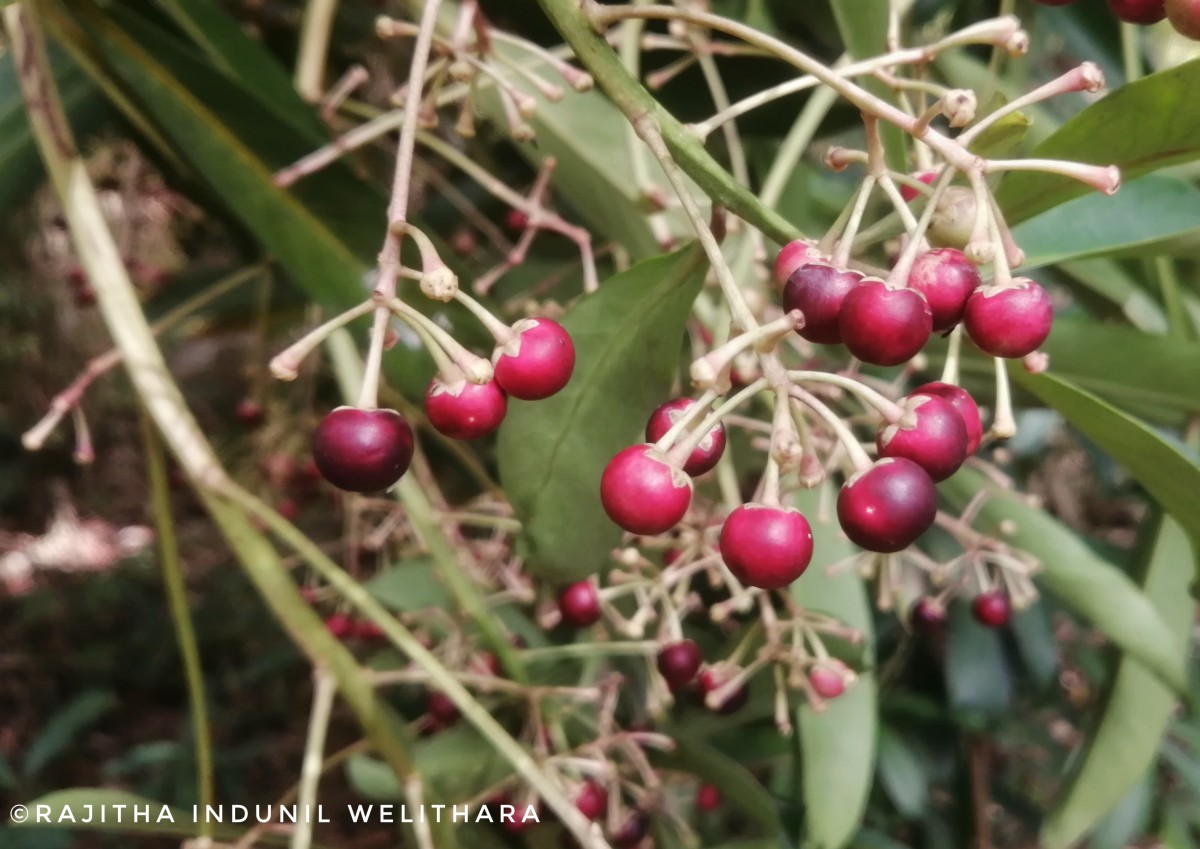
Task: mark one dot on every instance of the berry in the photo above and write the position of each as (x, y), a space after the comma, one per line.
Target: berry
(249, 412)
(362, 450)
(592, 800)
(1009, 321)
(964, 403)
(908, 193)
(465, 410)
(631, 832)
(927, 616)
(340, 625)
(818, 290)
(766, 547)
(1184, 15)
(827, 680)
(679, 662)
(885, 326)
(516, 220)
(793, 255)
(439, 707)
(711, 680)
(953, 218)
(991, 609)
(579, 604)
(1138, 11)
(707, 453)
(708, 797)
(930, 432)
(365, 629)
(537, 362)
(643, 493)
(946, 278)
(886, 507)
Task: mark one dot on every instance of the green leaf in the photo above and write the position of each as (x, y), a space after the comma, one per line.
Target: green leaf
(837, 760)
(410, 586)
(902, 775)
(1133, 222)
(1002, 137)
(1136, 707)
(553, 452)
(456, 764)
(1170, 476)
(1139, 127)
(64, 727)
(8, 779)
(1072, 572)
(1034, 635)
(978, 681)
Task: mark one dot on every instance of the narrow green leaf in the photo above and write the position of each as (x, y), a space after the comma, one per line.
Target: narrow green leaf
(979, 684)
(1075, 574)
(838, 746)
(410, 586)
(1003, 137)
(902, 774)
(553, 452)
(1034, 635)
(1162, 109)
(64, 727)
(741, 790)
(1136, 707)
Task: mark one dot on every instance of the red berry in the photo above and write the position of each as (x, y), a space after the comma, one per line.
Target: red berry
(818, 290)
(592, 800)
(793, 255)
(340, 625)
(439, 707)
(927, 616)
(947, 279)
(519, 823)
(711, 680)
(288, 509)
(886, 507)
(991, 609)
(249, 412)
(537, 362)
(908, 193)
(643, 493)
(964, 403)
(365, 629)
(516, 220)
(465, 410)
(766, 547)
(363, 450)
(1138, 11)
(827, 680)
(679, 662)
(631, 832)
(930, 432)
(579, 604)
(1009, 321)
(1184, 15)
(885, 326)
(707, 453)
(708, 797)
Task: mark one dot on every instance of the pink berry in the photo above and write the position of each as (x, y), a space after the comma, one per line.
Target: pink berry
(1184, 16)
(362, 450)
(711, 680)
(537, 362)
(579, 604)
(711, 447)
(886, 507)
(766, 547)
(930, 432)
(340, 625)
(908, 193)
(708, 797)
(818, 290)
(927, 616)
(1138, 11)
(592, 800)
(885, 326)
(793, 255)
(439, 707)
(465, 410)
(964, 403)
(1009, 321)
(827, 680)
(643, 493)
(679, 662)
(991, 609)
(947, 279)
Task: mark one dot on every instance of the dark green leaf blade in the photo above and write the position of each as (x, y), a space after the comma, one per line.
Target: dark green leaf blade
(737, 785)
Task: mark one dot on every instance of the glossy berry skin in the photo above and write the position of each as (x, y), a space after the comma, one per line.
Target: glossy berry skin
(818, 290)
(884, 326)
(708, 798)
(592, 800)
(439, 707)
(766, 547)
(710, 680)
(643, 493)
(793, 255)
(1138, 11)
(826, 681)
(964, 404)
(362, 450)
(465, 410)
(538, 362)
(908, 193)
(930, 432)
(1184, 16)
(927, 616)
(991, 609)
(579, 604)
(708, 452)
(679, 662)
(886, 507)
(1009, 321)
(947, 279)
(631, 832)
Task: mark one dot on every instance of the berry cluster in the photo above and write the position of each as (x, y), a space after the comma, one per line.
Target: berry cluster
(1184, 15)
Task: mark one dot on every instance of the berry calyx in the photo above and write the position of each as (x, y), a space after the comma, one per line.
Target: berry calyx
(712, 680)
(679, 662)
(886, 507)
(1184, 16)
(708, 452)
(828, 680)
(927, 616)
(885, 326)
(708, 797)
(818, 289)
(1009, 321)
(362, 450)
(643, 493)
(464, 410)
(592, 800)
(930, 432)
(766, 547)
(991, 609)
(439, 708)
(964, 403)
(537, 362)
(579, 604)
(793, 255)
(1138, 11)
(947, 279)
